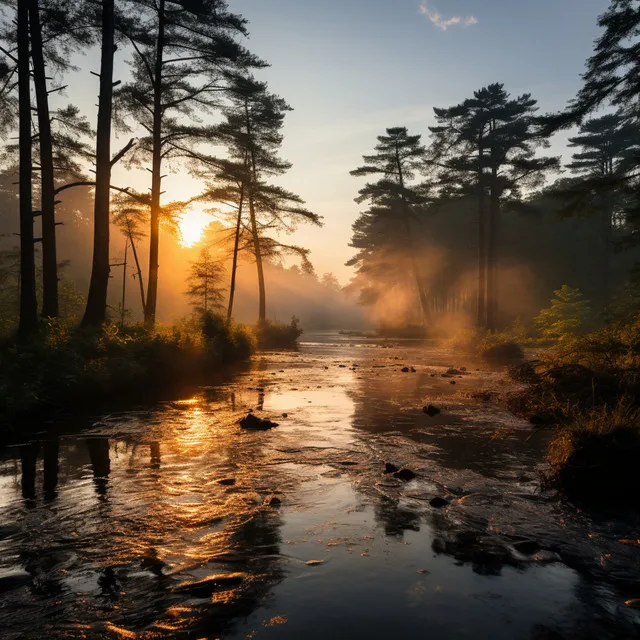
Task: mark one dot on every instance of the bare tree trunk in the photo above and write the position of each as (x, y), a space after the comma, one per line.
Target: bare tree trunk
(156, 176)
(28, 301)
(262, 293)
(138, 271)
(124, 282)
(96, 309)
(47, 189)
(234, 266)
(262, 306)
(492, 257)
(481, 311)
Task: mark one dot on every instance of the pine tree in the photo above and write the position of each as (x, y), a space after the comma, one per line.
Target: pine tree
(205, 279)
(252, 133)
(185, 52)
(487, 145)
(393, 200)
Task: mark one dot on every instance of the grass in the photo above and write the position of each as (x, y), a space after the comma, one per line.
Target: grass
(497, 347)
(594, 458)
(68, 366)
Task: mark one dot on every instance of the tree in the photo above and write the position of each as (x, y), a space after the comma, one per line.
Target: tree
(251, 131)
(565, 317)
(28, 302)
(185, 52)
(52, 39)
(607, 145)
(393, 201)
(204, 281)
(96, 309)
(487, 146)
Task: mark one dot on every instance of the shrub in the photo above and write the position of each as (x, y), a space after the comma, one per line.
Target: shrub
(594, 458)
(271, 335)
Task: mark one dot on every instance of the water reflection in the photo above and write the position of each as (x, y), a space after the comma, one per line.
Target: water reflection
(162, 523)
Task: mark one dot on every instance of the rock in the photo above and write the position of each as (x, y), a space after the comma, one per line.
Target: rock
(527, 547)
(453, 372)
(430, 410)
(205, 587)
(314, 563)
(404, 474)
(405, 369)
(227, 482)
(453, 382)
(390, 468)
(438, 502)
(463, 369)
(256, 424)
(413, 370)
(348, 463)
(272, 501)
(342, 366)
(285, 415)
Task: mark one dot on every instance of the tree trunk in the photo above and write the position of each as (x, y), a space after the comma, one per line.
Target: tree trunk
(481, 312)
(424, 300)
(492, 257)
(47, 193)
(156, 176)
(96, 309)
(138, 271)
(236, 246)
(262, 307)
(28, 301)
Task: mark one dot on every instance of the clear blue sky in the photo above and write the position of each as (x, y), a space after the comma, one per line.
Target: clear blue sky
(351, 68)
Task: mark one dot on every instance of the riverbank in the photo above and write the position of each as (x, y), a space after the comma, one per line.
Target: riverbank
(69, 369)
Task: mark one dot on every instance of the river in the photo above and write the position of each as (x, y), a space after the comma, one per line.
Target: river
(105, 529)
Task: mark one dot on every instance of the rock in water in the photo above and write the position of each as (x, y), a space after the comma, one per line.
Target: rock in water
(390, 468)
(272, 501)
(204, 588)
(404, 474)
(256, 424)
(405, 369)
(430, 410)
(438, 502)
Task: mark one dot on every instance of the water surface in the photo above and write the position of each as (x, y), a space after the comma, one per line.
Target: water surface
(101, 529)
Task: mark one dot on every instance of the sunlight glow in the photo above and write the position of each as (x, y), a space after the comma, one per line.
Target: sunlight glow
(192, 225)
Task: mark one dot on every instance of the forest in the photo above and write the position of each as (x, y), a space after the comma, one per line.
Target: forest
(194, 418)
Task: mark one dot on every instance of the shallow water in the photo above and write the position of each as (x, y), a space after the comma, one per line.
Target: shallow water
(101, 530)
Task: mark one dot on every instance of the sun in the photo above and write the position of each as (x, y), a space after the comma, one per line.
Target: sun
(192, 225)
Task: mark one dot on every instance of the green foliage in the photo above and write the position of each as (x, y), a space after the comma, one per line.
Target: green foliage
(565, 318)
(271, 335)
(67, 366)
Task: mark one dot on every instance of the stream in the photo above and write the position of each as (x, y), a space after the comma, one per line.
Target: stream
(171, 521)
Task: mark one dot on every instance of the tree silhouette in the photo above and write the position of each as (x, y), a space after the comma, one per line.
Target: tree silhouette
(204, 282)
(392, 199)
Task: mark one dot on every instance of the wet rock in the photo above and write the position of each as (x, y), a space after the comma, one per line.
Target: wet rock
(107, 580)
(404, 474)
(413, 370)
(254, 423)
(430, 410)
(527, 547)
(463, 369)
(405, 369)
(348, 463)
(227, 482)
(272, 501)
(207, 586)
(285, 415)
(438, 502)
(314, 563)
(9, 583)
(153, 563)
(453, 382)
(342, 366)
(390, 468)
(453, 372)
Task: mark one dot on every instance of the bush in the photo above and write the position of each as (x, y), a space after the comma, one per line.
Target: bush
(65, 366)
(497, 347)
(594, 458)
(271, 335)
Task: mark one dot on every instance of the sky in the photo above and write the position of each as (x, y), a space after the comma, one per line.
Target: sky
(351, 68)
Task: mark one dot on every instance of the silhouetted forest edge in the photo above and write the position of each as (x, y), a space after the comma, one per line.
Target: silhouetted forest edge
(68, 368)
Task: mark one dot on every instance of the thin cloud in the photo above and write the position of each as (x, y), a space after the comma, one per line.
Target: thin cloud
(444, 23)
